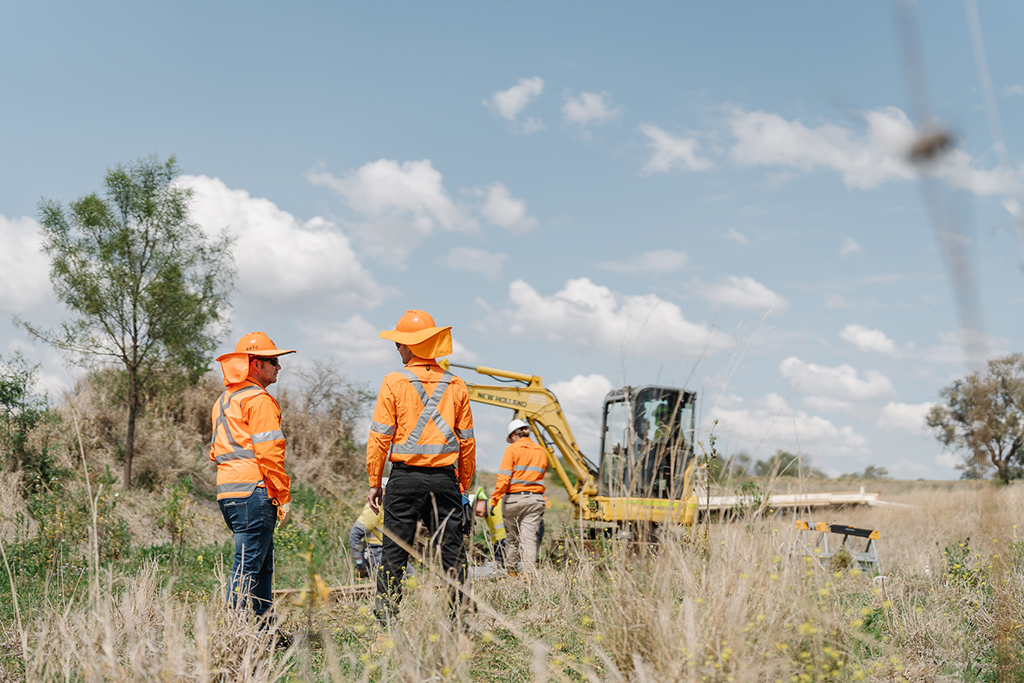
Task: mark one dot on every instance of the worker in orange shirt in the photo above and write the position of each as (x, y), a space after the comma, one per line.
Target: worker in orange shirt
(521, 482)
(422, 424)
(253, 491)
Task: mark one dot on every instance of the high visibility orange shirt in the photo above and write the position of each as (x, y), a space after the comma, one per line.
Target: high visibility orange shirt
(422, 418)
(248, 444)
(522, 469)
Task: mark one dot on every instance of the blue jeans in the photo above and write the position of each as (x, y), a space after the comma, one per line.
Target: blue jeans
(252, 521)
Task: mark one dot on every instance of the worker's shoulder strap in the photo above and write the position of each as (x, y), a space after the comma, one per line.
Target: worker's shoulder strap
(430, 413)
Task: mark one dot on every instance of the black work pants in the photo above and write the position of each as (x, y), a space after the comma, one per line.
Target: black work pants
(421, 494)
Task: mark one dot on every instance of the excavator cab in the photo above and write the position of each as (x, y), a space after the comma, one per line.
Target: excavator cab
(646, 443)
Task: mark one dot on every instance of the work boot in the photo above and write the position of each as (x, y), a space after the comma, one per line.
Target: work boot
(280, 641)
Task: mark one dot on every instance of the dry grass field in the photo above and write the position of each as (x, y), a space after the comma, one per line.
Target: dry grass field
(730, 601)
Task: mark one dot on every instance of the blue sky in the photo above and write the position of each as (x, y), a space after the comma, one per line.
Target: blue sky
(598, 193)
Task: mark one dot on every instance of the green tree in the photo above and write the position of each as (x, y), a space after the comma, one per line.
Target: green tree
(23, 412)
(145, 286)
(983, 417)
(784, 464)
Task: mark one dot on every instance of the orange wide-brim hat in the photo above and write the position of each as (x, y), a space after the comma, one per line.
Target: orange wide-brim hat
(417, 330)
(236, 364)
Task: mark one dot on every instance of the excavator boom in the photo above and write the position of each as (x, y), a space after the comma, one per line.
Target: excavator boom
(532, 402)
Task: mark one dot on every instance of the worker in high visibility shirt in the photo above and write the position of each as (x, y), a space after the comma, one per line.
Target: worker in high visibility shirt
(367, 538)
(253, 491)
(521, 482)
(422, 423)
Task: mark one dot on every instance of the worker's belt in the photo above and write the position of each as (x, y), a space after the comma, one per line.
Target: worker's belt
(421, 468)
(525, 493)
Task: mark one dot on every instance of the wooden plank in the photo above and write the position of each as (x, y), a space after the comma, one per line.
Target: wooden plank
(358, 590)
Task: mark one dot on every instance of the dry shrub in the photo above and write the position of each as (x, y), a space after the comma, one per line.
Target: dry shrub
(140, 632)
(15, 521)
(172, 434)
(320, 409)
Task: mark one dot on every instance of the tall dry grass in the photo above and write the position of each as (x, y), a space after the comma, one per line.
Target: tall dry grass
(733, 602)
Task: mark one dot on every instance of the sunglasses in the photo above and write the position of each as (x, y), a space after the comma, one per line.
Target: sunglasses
(273, 361)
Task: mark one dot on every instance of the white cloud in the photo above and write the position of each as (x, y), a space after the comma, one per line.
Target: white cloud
(671, 152)
(582, 399)
(355, 341)
(841, 382)
(278, 257)
(850, 248)
(476, 261)
(824, 404)
(905, 417)
(589, 108)
(509, 103)
(868, 340)
(24, 279)
(654, 262)
(399, 205)
(591, 315)
(743, 292)
(501, 208)
(835, 300)
(738, 237)
(864, 160)
(460, 354)
(1015, 89)
(950, 348)
(773, 424)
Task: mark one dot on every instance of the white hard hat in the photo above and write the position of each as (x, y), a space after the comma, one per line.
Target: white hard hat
(516, 424)
(384, 482)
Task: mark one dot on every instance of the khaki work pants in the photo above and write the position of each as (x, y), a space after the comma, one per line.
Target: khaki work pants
(522, 513)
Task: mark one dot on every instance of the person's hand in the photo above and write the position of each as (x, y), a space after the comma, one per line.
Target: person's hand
(284, 515)
(374, 498)
(361, 567)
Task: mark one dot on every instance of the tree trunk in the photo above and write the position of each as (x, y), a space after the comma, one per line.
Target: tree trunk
(129, 444)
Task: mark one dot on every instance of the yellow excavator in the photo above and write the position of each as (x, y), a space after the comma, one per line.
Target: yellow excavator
(644, 477)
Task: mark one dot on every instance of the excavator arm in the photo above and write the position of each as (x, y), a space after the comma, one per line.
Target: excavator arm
(540, 408)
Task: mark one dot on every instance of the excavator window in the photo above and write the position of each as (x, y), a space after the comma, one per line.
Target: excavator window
(648, 441)
(614, 476)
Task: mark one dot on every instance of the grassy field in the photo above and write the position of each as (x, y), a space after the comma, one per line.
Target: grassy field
(731, 601)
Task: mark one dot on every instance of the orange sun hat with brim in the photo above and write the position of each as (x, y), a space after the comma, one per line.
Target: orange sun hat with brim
(417, 330)
(236, 364)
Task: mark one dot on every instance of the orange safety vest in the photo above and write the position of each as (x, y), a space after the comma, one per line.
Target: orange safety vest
(422, 418)
(248, 444)
(522, 469)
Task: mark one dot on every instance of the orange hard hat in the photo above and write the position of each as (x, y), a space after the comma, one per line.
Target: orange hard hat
(235, 365)
(257, 344)
(417, 330)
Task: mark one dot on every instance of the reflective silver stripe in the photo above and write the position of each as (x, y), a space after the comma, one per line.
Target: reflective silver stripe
(262, 437)
(242, 487)
(464, 433)
(430, 413)
(222, 419)
(524, 481)
(423, 449)
(507, 473)
(237, 454)
(528, 468)
(499, 526)
(381, 428)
